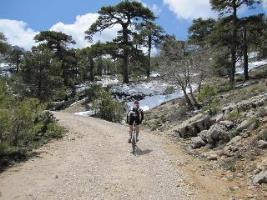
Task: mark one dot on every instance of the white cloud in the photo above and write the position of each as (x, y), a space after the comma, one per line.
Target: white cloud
(264, 4)
(81, 24)
(17, 33)
(190, 9)
(156, 9)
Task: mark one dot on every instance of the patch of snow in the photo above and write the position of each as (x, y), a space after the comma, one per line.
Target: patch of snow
(253, 54)
(154, 74)
(145, 88)
(151, 102)
(86, 113)
(108, 80)
(251, 66)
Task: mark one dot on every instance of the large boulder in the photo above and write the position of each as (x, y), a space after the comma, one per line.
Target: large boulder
(204, 135)
(262, 144)
(248, 124)
(197, 142)
(217, 134)
(227, 124)
(234, 141)
(260, 177)
(194, 125)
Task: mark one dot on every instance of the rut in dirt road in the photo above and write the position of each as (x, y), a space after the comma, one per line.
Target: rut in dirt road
(94, 162)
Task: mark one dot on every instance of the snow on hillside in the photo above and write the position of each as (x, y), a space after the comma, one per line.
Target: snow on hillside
(145, 88)
(251, 66)
(153, 94)
(151, 102)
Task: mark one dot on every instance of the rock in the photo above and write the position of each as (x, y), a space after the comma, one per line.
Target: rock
(234, 140)
(245, 105)
(218, 117)
(217, 134)
(260, 178)
(197, 142)
(212, 157)
(204, 136)
(262, 165)
(194, 125)
(262, 144)
(228, 124)
(248, 124)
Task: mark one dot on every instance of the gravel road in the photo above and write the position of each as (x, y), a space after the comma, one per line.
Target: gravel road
(94, 161)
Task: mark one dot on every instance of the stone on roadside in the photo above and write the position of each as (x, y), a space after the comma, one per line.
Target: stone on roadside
(228, 124)
(234, 140)
(260, 178)
(197, 142)
(248, 124)
(217, 134)
(262, 144)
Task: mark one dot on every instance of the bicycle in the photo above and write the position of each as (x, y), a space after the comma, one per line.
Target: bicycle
(133, 139)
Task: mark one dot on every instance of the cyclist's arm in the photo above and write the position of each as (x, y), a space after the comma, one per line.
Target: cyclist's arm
(129, 117)
(142, 116)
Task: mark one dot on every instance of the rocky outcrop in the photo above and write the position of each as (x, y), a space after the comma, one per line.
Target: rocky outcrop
(197, 142)
(245, 105)
(217, 134)
(248, 124)
(194, 125)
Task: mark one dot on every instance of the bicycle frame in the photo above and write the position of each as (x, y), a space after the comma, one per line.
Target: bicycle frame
(133, 139)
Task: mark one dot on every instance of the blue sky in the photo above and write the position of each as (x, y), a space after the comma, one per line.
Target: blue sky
(20, 20)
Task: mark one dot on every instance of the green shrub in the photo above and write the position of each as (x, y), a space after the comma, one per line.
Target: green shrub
(206, 94)
(24, 124)
(92, 92)
(169, 90)
(209, 100)
(234, 115)
(106, 107)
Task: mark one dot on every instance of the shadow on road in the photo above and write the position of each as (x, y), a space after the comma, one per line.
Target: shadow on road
(143, 152)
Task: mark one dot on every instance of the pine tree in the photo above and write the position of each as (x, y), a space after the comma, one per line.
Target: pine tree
(41, 74)
(127, 14)
(251, 29)
(152, 35)
(226, 7)
(58, 42)
(4, 46)
(200, 31)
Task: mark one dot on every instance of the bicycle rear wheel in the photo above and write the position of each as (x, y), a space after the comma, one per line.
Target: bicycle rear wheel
(134, 142)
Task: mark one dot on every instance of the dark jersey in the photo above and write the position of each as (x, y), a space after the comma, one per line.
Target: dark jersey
(135, 115)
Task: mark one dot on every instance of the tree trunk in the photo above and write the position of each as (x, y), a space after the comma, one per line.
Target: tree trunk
(125, 66)
(188, 101)
(100, 67)
(91, 78)
(196, 104)
(233, 48)
(245, 54)
(149, 56)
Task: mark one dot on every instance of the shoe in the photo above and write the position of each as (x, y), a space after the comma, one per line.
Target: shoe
(129, 141)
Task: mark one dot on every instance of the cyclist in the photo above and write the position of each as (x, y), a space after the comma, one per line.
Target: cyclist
(136, 115)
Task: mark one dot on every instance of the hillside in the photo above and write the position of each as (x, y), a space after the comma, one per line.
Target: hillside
(234, 139)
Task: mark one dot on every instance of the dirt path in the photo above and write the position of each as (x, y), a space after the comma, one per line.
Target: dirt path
(94, 162)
